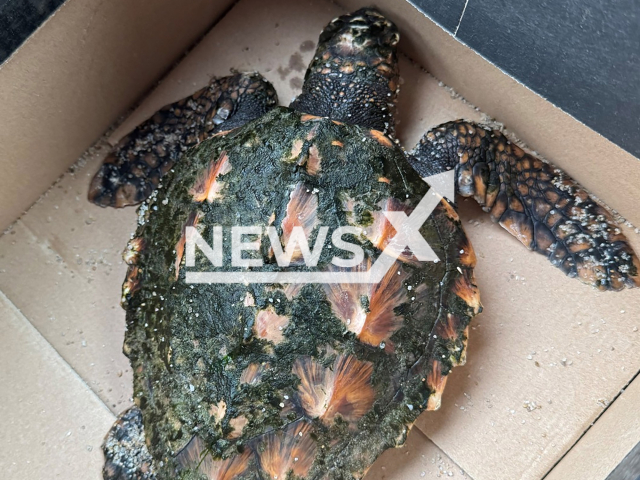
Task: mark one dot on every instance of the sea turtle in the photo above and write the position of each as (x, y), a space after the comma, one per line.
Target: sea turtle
(272, 378)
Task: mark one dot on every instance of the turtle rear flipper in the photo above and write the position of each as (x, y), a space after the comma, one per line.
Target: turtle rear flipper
(540, 205)
(125, 451)
(134, 168)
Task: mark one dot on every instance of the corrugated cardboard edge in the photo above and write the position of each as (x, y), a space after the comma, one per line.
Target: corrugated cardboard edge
(75, 75)
(53, 422)
(606, 443)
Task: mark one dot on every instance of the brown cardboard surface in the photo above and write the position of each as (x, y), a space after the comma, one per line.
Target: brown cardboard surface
(85, 66)
(61, 266)
(418, 458)
(606, 443)
(52, 423)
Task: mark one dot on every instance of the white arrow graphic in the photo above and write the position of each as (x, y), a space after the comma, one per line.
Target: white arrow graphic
(444, 183)
(407, 235)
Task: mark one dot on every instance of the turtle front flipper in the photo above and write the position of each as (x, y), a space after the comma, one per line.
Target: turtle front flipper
(539, 204)
(134, 168)
(125, 451)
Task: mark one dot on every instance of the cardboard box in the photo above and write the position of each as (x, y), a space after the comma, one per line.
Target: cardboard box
(545, 358)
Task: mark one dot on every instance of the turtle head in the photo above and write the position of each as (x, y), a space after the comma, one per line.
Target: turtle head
(353, 76)
(361, 32)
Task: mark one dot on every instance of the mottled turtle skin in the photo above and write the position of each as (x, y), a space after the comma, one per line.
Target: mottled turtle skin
(313, 381)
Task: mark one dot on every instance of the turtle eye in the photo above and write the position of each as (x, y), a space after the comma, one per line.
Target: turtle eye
(390, 38)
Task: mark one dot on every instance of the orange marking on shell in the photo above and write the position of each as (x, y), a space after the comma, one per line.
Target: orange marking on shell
(467, 291)
(249, 300)
(337, 143)
(270, 326)
(314, 161)
(381, 138)
(253, 373)
(436, 383)
(382, 322)
(196, 456)
(222, 133)
(381, 232)
(553, 218)
(384, 180)
(337, 122)
(208, 187)
(296, 149)
(218, 410)
(190, 455)
(522, 188)
(499, 207)
(312, 133)
(378, 323)
(291, 290)
(616, 280)
(237, 424)
(192, 221)
(291, 449)
(302, 211)
(310, 118)
(131, 284)
(552, 196)
(448, 328)
(132, 251)
(344, 390)
(467, 253)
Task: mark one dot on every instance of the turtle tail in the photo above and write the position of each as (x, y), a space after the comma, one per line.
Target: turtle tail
(539, 204)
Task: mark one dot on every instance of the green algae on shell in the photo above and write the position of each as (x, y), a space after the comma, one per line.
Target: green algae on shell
(222, 400)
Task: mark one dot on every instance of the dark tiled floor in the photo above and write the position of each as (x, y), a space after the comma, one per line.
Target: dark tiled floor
(584, 56)
(447, 14)
(19, 19)
(629, 468)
